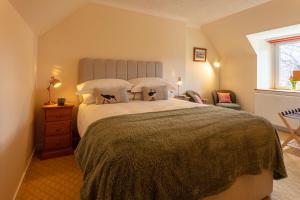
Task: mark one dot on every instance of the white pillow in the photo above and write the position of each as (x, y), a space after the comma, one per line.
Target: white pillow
(139, 83)
(104, 84)
(88, 98)
(135, 96)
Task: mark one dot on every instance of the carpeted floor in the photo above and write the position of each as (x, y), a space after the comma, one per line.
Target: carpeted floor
(289, 188)
(57, 178)
(60, 178)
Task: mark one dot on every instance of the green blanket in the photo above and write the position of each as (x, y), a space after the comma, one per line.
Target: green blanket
(180, 154)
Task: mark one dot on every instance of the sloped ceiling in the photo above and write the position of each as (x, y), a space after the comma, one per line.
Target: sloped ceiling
(193, 12)
(42, 15)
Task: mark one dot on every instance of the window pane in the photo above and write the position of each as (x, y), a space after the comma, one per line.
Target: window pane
(289, 60)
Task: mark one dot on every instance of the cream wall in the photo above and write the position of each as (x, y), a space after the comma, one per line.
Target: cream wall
(105, 32)
(17, 71)
(228, 36)
(200, 77)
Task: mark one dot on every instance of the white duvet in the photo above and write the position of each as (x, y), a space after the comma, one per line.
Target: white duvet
(88, 114)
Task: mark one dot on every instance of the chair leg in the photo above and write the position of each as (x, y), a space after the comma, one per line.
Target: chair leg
(291, 130)
(297, 138)
(287, 141)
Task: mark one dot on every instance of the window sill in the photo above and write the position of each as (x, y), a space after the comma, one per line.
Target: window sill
(278, 92)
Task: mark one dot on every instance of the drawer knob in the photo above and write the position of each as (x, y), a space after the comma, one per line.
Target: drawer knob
(58, 130)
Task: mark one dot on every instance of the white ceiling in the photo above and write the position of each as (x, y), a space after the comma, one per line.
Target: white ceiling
(42, 15)
(194, 12)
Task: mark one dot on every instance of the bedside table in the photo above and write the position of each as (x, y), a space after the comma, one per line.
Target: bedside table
(205, 100)
(57, 134)
(182, 97)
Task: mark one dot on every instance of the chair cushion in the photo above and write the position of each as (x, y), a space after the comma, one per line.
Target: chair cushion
(198, 99)
(229, 105)
(194, 96)
(224, 97)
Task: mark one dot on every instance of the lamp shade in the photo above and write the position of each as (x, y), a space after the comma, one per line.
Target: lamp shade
(55, 82)
(56, 85)
(179, 81)
(296, 75)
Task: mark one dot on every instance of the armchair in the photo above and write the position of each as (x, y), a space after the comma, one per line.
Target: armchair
(232, 105)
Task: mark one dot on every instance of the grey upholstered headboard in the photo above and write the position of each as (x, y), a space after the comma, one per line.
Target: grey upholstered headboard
(90, 69)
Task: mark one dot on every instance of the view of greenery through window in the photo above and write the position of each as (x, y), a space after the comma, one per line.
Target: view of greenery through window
(289, 60)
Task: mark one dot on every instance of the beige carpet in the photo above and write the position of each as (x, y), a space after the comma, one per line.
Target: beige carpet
(60, 178)
(289, 188)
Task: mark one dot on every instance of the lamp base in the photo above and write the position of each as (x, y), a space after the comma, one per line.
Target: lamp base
(49, 103)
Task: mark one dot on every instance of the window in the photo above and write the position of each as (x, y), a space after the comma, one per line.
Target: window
(287, 60)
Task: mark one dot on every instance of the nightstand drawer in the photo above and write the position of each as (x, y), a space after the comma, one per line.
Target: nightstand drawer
(58, 114)
(57, 128)
(57, 142)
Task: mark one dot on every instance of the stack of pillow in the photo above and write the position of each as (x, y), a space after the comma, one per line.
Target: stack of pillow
(107, 91)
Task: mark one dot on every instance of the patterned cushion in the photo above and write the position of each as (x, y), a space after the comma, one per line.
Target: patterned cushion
(155, 93)
(117, 95)
(197, 99)
(224, 97)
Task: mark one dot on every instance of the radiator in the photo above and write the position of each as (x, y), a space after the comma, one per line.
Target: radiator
(269, 103)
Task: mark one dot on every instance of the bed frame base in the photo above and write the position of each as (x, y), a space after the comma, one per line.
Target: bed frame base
(248, 187)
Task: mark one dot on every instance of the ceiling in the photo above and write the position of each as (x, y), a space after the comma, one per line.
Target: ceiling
(42, 15)
(194, 12)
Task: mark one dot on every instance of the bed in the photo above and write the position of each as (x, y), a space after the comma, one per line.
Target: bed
(171, 149)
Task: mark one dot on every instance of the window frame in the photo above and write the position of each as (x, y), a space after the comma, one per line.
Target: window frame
(277, 60)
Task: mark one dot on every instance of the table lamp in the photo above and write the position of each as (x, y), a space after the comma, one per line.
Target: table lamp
(55, 83)
(179, 83)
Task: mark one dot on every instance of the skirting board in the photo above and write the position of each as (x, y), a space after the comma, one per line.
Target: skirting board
(24, 173)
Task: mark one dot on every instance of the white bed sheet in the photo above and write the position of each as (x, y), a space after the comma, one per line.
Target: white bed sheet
(87, 114)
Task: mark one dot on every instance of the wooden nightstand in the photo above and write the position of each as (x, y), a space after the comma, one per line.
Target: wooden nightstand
(205, 100)
(57, 134)
(182, 97)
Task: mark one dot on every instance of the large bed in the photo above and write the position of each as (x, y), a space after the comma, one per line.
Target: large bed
(171, 149)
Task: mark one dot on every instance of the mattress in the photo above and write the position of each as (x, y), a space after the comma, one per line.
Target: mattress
(88, 114)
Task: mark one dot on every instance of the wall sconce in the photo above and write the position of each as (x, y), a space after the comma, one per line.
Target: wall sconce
(55, 83)
(179, 83)
(217, 64)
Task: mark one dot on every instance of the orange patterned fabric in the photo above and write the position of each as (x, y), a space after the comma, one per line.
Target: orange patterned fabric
(224, 97)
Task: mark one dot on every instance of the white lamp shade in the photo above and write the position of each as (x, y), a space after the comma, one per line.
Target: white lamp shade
(179, 81)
